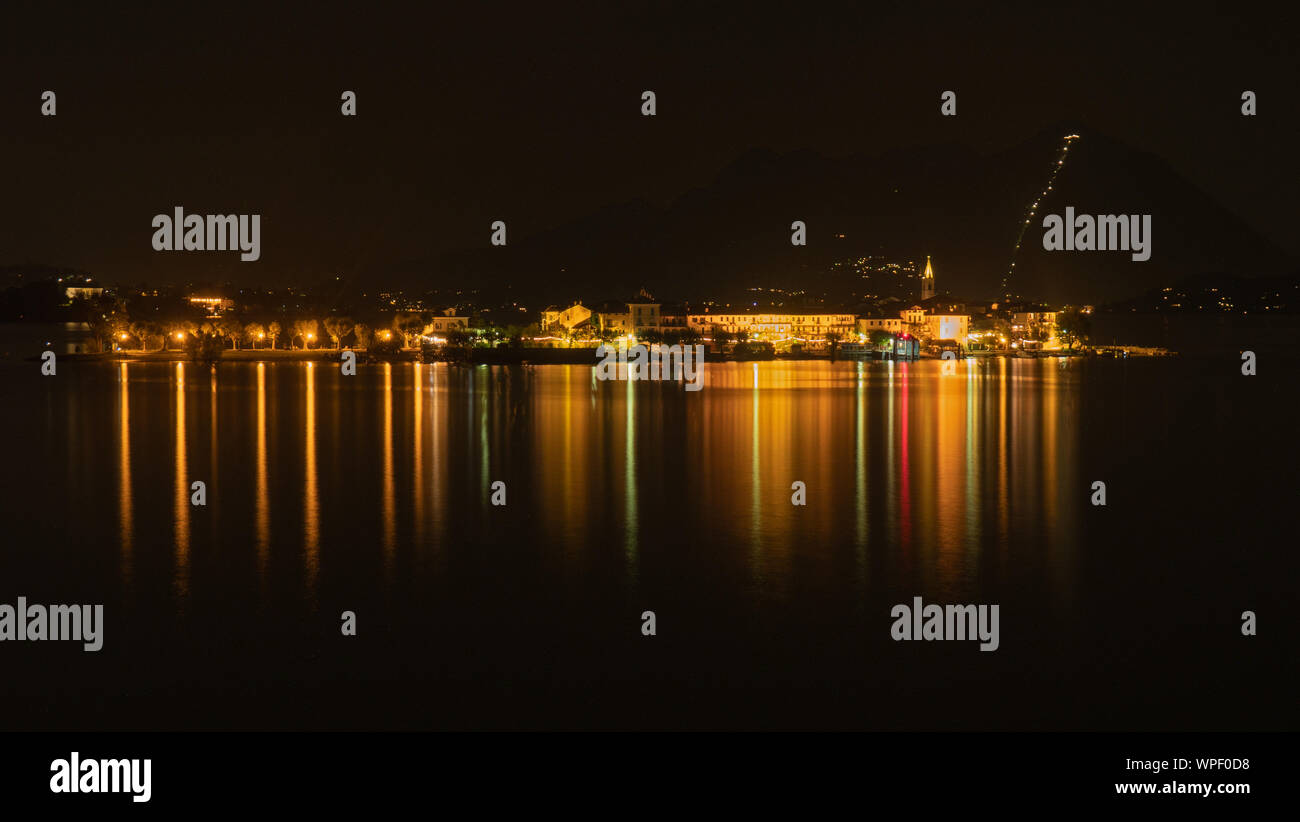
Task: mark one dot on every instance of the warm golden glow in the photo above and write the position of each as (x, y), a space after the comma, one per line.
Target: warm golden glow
(438, 436)
(630, 521)
(262, 489)
(390, 481)
(417, 451)
(311, 502)
(126, 514)
(181, 507)
(565, 462)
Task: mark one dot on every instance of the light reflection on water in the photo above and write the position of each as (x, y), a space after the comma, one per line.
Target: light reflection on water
(371, 493)
(947, 464)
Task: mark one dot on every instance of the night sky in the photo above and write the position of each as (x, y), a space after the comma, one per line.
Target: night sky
(532, 114)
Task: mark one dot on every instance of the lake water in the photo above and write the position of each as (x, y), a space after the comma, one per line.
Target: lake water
(372, 493)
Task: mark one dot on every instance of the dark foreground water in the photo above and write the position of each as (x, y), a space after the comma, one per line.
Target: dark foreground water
(371, 494)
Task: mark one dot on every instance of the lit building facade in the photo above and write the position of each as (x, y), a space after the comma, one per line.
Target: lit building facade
(801, 326)
(630, 318)
(931, 319)
(894, 325)
(441, 324)
(948, 327)
(570, 318)
(213, 305)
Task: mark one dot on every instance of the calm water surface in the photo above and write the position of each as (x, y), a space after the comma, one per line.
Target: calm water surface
(371, 493)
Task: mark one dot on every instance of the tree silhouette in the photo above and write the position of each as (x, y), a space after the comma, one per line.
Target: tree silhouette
(337, 328)
(304, 330)
(254, 333)
(409, 325)
(362, 335)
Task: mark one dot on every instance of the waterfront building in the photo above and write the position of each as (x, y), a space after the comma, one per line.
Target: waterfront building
(869, 323)
(445, 322)
(215, 306)
(808, 327)
(630, 317)
(554, 319)
(933, 318)
(673, 318)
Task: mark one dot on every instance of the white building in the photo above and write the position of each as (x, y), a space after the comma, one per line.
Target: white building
(807, 327)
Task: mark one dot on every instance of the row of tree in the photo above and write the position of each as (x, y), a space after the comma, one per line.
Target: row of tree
(404, 330)
(116, 330)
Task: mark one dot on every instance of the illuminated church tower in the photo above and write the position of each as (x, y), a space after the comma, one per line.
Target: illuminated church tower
(927, 280)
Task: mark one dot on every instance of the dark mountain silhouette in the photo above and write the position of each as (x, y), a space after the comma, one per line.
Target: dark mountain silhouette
(1218, 293)
(961, 207)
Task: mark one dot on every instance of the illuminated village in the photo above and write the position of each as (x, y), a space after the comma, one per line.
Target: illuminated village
(143, 321)
(926, 327)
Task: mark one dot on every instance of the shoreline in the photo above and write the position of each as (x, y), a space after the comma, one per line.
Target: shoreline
(552, 356)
